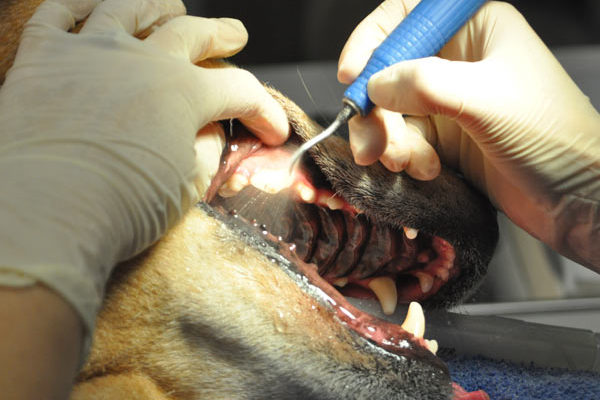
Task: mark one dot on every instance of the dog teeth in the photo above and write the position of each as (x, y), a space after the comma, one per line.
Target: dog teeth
(411, 233)
(271, 181)
(425, 281)
(432, 345)
(415, 320)
(385, 290)
(443, 274)
(332, 202)
(306, 193)
(341, 282)
(234, 184)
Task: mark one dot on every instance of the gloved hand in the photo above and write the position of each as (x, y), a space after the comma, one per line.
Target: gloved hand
(97, 134)
(497, 106)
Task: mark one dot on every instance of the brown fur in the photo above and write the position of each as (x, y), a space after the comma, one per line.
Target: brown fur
(13, 14)
(208, 314)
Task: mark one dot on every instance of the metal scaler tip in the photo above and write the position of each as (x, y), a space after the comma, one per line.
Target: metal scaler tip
(347, 112)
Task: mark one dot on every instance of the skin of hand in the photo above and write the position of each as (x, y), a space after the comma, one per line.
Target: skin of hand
(98, 131)
(495, 105)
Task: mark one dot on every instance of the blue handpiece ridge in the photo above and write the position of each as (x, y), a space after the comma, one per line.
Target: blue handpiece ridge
(422, 33)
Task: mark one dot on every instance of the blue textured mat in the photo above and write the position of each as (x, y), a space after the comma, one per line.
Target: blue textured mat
(504, 380)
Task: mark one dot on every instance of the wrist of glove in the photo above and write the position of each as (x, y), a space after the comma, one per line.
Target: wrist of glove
(97, 154)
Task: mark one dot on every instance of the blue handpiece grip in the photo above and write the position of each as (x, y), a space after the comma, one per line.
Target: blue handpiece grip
(422, 33)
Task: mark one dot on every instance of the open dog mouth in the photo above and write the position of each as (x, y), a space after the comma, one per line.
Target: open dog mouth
(334, 245)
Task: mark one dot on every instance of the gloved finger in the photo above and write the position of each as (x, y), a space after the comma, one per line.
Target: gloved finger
(400, 143)
(236, 93)
(368, 136)
(424, 163)
(197, 38)
(397, 154)
(368, 35)
(131, 16)
(427, 86)
(209, 145)
(61, 14)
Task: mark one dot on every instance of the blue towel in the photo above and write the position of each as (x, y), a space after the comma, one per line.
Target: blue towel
(503, 380)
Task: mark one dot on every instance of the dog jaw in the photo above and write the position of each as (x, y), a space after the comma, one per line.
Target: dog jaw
(206, 315)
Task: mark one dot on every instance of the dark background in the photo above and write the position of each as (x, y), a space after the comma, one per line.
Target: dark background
(308, 30)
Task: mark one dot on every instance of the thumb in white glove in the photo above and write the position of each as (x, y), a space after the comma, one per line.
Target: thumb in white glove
(498, 106)
(97, 135)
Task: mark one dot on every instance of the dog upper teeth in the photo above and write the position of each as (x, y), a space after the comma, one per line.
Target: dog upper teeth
(415, 320)
(385, 289)
(306, 193)
(234, 184)
(411, 233)
(331, 201)
(341, 282)
(271, 180)
(425, 281)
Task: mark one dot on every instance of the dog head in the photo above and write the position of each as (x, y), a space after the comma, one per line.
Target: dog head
(235, 302)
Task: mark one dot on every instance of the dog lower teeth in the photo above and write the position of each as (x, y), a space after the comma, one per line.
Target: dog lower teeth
(432, 345)
(386, 292)
(425, 281)
(415, 320)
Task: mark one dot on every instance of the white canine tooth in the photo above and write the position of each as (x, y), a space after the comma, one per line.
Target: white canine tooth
(385, 289)
(432, 345)
(411, 233)
(415, 320)
(306, 193)
(425, 281)
(341, 282)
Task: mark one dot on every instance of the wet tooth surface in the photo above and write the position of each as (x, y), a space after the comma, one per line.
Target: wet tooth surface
(334, 203)
(432, 345)
(425, 281)
(385, 290)
(415, 320)
(271, 181)
(306, 193)
(341, 282)
(233, 186)
(411, 233)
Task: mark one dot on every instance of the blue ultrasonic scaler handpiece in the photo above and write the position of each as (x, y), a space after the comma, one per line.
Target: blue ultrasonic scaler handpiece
(422, 33)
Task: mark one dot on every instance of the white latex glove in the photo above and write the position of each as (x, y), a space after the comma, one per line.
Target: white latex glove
(97, 133)
(497, 106)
